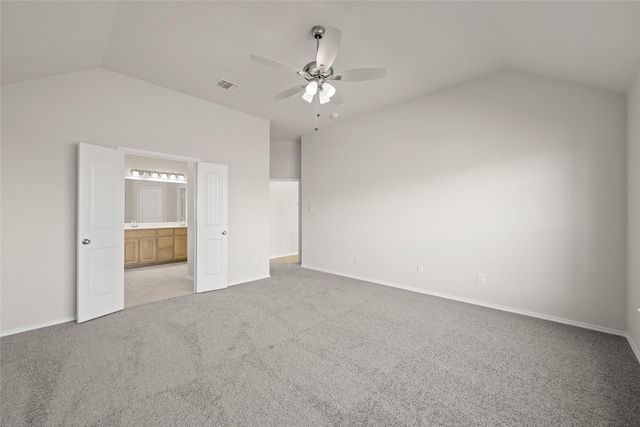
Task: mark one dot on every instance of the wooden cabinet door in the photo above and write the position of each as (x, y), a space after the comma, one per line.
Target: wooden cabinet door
(131, 251)
(180, 248)
(148, 249)
(155, 246)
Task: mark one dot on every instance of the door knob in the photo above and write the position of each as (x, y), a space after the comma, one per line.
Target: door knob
(86, 241)
(224, 233)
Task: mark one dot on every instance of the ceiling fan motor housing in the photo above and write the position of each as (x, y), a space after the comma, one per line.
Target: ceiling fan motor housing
(312, 70)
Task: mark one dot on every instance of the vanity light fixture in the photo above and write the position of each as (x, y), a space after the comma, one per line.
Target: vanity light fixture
(141, 173)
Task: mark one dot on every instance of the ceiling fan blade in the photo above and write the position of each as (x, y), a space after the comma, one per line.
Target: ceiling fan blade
(328, 48)
(290, 92)
(337, 99)
(360, 74)
(277, 65)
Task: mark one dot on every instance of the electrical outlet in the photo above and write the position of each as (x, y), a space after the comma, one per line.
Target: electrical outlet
(312, 208)
(420, 269)
(481, 279)
(356, 259)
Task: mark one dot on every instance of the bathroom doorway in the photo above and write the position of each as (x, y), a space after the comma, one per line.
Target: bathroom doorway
(103, 250)
(156, 230)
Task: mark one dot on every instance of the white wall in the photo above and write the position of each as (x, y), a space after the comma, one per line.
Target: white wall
(285, 159)
(284, 218)
(633, 260)
(42, 122)
(516, 176)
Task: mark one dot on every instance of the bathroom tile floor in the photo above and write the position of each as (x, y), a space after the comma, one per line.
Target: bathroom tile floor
(143, 285)
(155, 283)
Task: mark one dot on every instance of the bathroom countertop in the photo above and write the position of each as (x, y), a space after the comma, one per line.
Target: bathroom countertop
(147, 225)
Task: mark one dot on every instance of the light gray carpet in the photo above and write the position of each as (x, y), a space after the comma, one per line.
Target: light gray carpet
(305, 348)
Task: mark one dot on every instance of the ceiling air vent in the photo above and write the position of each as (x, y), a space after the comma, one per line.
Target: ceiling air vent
(224, 84)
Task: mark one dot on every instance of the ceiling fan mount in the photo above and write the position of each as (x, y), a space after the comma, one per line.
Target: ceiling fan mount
(317, 32)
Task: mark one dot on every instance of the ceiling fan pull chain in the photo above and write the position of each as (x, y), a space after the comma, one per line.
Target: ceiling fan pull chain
(317, 111)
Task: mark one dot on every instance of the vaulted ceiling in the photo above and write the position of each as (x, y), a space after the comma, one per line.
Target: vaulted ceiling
(425, 46)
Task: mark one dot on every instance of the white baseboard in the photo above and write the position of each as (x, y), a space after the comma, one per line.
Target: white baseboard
(634, 347)
(283, 255)
(251, 279)
(475, 302)
(73, 318)
(37, 326)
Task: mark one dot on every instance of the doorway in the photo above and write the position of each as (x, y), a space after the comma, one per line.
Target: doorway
(156, 230)
(284, 221)
(101, 243)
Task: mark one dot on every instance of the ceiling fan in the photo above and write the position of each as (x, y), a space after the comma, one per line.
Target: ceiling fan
(319, 73)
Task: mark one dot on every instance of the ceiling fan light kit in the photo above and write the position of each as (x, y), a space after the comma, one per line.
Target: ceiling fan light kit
(307, 97)
(312, 88)
(323, 98)
(328, 89)
(318, 72)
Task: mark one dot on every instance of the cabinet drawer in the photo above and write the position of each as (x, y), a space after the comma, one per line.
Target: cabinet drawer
(180, 231)
(165, 232)
(140, 233)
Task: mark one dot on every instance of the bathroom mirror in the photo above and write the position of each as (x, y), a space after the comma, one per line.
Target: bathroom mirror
(151, 201)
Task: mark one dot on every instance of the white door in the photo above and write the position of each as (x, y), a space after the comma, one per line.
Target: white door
(100, 231)
(151, 204)
(211, 227)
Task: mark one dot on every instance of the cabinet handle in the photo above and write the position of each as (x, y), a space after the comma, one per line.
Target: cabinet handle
(224, 233)
(86, 241)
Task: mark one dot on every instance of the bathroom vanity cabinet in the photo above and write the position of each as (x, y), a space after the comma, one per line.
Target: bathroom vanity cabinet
(151, 246)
